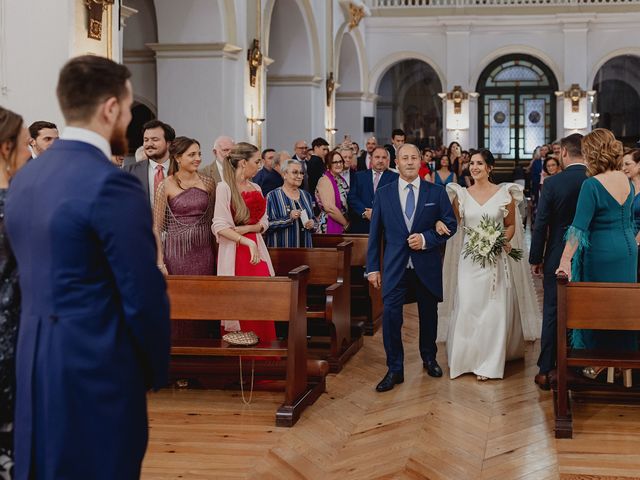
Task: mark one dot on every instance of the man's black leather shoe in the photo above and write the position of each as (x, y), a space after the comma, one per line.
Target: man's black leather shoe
(432, 368)
(389, 381)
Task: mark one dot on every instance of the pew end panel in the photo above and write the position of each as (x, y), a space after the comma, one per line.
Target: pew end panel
(595, 306)
(234, 298)
(366, 301)
(329, 270)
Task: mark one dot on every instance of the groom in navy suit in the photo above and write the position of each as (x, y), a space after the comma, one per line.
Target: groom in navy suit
(404, 216)
(94, 330)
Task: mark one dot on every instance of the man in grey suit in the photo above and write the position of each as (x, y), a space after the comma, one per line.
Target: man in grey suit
(157, 136)
(221, 149)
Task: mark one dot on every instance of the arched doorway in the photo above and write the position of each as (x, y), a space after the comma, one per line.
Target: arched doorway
(408, 99)
(517, 107)
(617, 100)
(140, 114)
(292, 83)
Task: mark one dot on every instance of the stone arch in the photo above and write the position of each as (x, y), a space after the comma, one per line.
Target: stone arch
(310, 30)
(142, 29)
(408, 99)
(201, 21)
(352, 61)
(389, 61)
(617, 100)
(635, 51)
(516, 49)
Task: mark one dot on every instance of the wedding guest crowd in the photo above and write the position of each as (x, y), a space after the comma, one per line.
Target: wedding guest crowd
(220, 218)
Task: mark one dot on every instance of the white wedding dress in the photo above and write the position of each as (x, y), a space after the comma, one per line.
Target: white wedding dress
(487, 312)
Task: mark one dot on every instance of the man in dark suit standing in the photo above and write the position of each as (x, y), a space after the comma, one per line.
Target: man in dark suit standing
(364, 160)
(94, 329)
(315, 165)
(363, 189)
(157, 137)
(405, 213)
(397, 140)
(556, 209)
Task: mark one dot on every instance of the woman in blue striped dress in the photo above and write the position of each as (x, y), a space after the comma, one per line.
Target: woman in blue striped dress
(290, 210)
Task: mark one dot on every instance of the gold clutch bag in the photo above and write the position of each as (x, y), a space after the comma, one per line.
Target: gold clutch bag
(241, 339)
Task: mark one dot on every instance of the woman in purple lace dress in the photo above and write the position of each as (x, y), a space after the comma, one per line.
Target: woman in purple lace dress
(14, 153)
(182, 218)
(331, 196)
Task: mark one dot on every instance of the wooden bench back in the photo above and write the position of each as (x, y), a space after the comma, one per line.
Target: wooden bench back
(327, 265)
(332, 240)
(599, 306)
(235, 298)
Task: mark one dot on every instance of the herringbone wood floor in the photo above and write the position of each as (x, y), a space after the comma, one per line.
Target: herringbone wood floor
(423, 429)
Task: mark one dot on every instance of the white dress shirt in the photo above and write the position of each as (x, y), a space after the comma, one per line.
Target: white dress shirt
(346, 175)
(152, 174)
(87, 136)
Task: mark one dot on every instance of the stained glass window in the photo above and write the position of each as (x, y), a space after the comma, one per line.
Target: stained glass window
(534, 123)
(499, 122)
(517, 73)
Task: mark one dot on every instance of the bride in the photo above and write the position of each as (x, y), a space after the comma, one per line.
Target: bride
(490, 311)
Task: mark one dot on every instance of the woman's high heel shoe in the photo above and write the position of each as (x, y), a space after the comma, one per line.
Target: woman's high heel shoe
(627, 377)
(594, 372)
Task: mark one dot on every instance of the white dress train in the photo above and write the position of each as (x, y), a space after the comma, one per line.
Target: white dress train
(488, 312)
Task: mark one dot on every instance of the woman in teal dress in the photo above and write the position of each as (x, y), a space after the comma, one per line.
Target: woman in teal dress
(601, 240)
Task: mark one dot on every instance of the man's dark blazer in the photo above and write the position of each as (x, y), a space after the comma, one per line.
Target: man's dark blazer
(361, 196)
(392, 155)
(94, 328)
(556, 209)
(315, 169)
(140, 170)
(387, 223)
(362, 161)
(268, 180)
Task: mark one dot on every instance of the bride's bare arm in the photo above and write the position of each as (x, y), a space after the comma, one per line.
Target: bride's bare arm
(510, 221)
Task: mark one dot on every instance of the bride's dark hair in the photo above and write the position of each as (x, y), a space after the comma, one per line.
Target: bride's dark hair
(489, 159)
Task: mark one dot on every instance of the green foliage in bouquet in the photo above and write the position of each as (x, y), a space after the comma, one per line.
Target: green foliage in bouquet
(485, 242)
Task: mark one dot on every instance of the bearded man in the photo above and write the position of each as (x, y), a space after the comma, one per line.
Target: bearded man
(94, 329)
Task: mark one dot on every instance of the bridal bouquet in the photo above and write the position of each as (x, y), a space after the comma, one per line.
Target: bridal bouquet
(485, 241)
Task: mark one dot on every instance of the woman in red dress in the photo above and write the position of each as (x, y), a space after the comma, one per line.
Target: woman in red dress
(239, 220)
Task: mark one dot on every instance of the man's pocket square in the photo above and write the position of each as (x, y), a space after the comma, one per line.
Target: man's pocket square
(429, 204)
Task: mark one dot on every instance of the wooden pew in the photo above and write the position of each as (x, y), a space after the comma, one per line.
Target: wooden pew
(281, 299)
(329, 270)
(366, 301)
(595, 306)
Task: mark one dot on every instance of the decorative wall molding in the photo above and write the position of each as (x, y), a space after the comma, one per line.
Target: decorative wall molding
(357, 96)
(138, 56)
(196, 50)
(294, 80)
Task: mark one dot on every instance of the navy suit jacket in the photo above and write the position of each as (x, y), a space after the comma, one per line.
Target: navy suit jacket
(387, 224)
(361, 196)
(140, 170)
(94, 329)
(556, 208)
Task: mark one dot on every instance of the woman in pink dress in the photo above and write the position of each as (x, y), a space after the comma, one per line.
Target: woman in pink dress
(239, 220)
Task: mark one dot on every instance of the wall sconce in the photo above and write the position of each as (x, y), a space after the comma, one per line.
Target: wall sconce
(331, 131)
(254, 121)
(457, 101)
(95, 7)
(575, 106)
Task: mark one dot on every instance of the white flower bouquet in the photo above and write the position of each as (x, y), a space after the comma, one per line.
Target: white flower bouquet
(485, 241)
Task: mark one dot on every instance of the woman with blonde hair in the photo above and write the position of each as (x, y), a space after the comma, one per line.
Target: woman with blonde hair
(601, 244)
(14, 153)
(240, 217)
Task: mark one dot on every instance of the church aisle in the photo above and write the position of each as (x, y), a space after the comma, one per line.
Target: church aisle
(423, 429)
